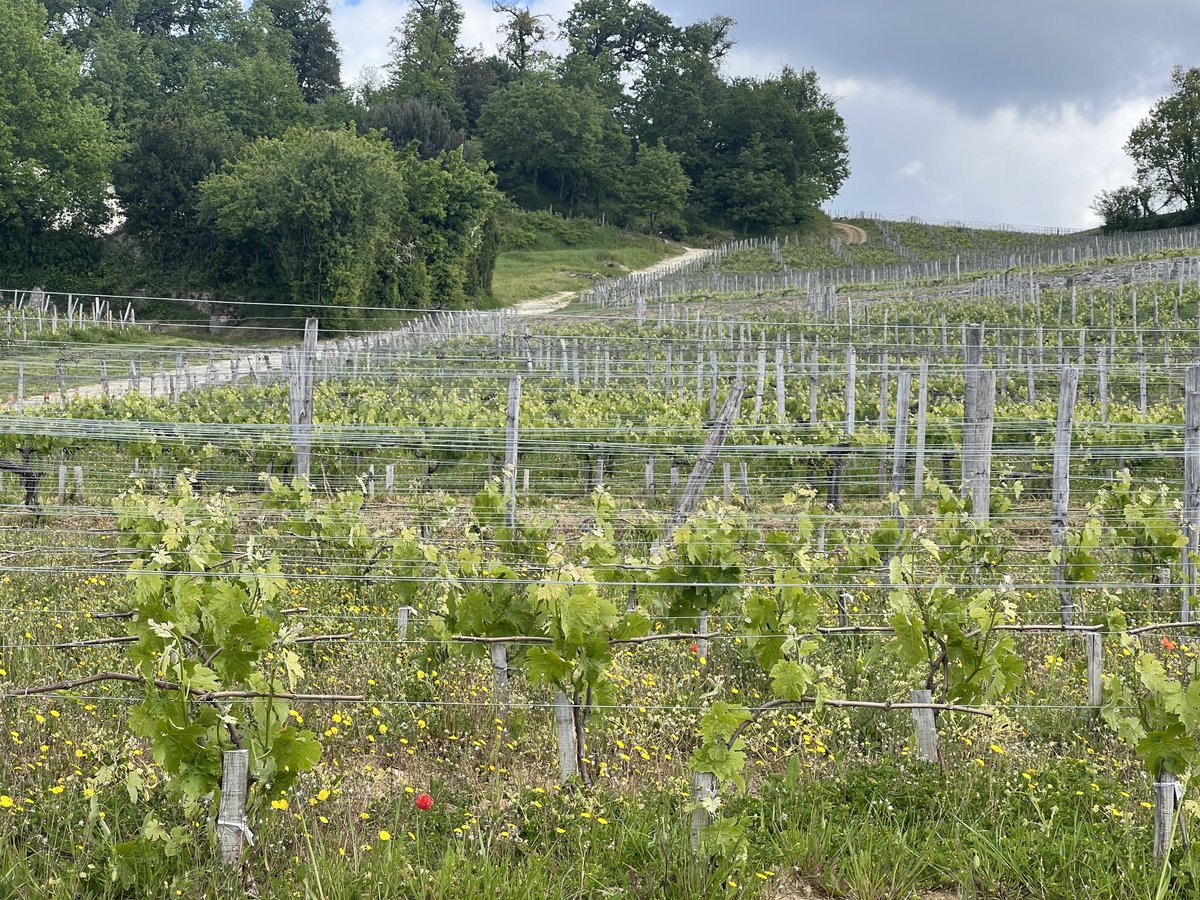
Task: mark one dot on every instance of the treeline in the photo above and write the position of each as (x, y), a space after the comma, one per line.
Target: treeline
(205, 146)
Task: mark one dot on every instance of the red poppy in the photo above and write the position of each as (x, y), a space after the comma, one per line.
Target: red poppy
(424, 802)
(1169, 644)
(693, 646)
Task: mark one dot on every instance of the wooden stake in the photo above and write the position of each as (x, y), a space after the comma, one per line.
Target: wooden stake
(925, 728)
(568, 744)
(1093, 649)
(1067, 392)
(1164, 813)
(232, 832)
(512, 429)
(922, 421)
(1191, 487)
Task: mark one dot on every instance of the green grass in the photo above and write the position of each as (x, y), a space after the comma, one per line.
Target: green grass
(570, 256)
(529, 274)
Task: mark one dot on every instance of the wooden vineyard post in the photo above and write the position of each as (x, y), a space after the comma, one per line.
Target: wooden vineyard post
(1067, 393)
(900, 441)
(1094, 651)
(300, 399)
(1164, 813)
(922, 423)
(511, 435)
(925, 728)
(232, 831)
(760, 384)
(402, 622)
(973, 354)
(813, 386)
(704, 792)
(707, 460)
(1143, 404)
(568, 741)
(780, 388)
(977, 445)
(499, 656)
(850, 378)
(1102, 387)
(1191, 487)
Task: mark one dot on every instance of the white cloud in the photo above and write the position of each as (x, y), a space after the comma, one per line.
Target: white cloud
(915, 154)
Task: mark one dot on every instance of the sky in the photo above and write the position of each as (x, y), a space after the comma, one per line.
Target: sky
(991, 112)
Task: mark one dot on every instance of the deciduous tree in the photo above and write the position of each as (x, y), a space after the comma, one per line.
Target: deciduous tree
(314, 214)
(425, 48)
(55, 149)
(1165, 146)
(656, 184)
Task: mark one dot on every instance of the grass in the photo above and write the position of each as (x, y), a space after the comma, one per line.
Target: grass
(540, 271)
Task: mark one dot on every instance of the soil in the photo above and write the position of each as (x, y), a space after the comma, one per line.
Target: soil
(849, 234)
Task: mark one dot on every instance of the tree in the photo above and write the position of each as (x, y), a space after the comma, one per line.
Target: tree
(1121, 207)
(656, 184)
(157, 180)
(751, 191)
(610, 41)
(315, 213)
(406, 121)
(777, 149)
(477, 78)
(314, 48)
(425, 48)
(450, 202)
(523, 33)
(1165, 146)
(548, 138)
(55, 149)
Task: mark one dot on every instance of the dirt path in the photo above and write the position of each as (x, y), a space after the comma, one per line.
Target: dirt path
(850, 234)
(544, 306)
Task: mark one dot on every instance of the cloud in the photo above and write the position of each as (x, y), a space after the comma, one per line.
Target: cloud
(915, 154)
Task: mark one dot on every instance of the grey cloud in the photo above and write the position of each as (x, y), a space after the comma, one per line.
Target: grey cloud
(977, 54)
